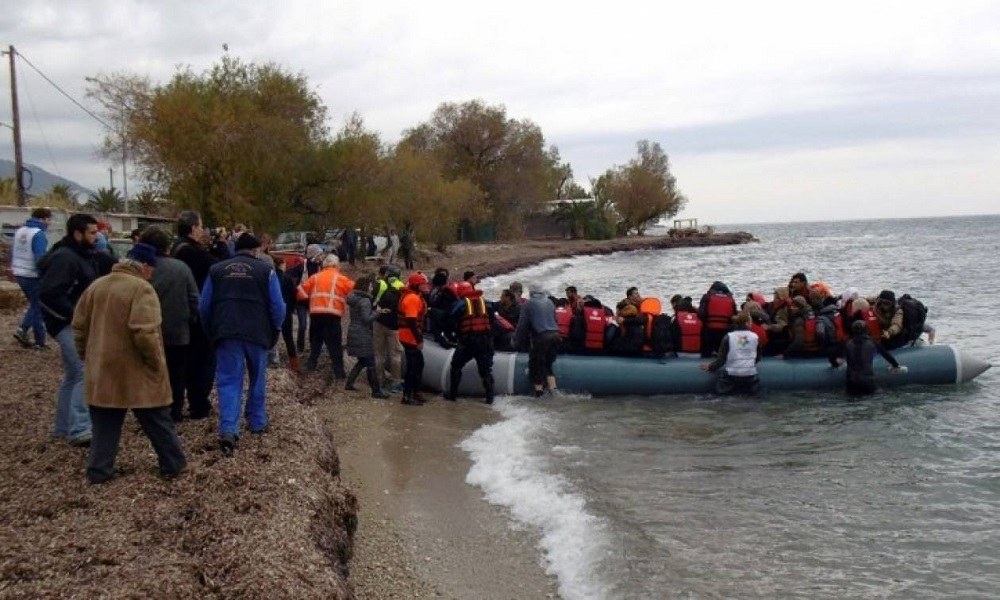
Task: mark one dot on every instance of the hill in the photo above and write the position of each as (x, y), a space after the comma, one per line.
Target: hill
(42, 180)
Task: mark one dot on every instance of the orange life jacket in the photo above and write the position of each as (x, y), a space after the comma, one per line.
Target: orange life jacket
(326, 292)
(838, 326)
(719, 312)
(411, 305)
(649, 307)
(690, 326)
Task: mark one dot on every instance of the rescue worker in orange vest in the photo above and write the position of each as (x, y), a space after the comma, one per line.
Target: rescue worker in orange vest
(412, 316)
(716, 309)
(472, 320)
(327, 293)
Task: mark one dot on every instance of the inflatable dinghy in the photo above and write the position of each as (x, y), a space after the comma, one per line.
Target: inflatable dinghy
(626, 376)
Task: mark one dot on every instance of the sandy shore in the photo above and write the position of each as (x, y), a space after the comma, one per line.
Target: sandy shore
(346, 496)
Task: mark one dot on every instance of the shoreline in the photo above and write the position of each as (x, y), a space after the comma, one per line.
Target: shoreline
(345, 497)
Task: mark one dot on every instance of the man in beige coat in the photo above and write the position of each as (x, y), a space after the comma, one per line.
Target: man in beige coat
(117, 333)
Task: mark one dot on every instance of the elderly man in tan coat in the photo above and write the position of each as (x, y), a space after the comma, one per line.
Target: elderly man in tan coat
(117, 329)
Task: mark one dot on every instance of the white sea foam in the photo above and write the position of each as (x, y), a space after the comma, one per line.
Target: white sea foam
(511, 465)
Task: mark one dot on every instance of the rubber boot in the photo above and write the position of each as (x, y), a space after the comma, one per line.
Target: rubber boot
(353, 376)
(456, 378)
(374, 384)
(293, 364)
(488, 386)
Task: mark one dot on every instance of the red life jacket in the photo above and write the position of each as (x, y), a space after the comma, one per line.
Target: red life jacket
(594, 322)
(690, 326)
(564, 314)
(719, 312)
(761, 333)
(475, 319)
(810, 343)
(838, 326)
(504, 323)
(874, 325)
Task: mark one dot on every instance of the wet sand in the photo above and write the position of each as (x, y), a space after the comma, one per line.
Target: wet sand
(404, 465)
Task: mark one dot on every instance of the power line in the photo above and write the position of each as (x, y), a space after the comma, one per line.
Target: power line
(62, 91)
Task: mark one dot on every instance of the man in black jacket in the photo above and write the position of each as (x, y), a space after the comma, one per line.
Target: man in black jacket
(66, 271)
(200, 374)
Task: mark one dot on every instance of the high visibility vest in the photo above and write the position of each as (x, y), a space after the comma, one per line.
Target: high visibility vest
(326, 292)
(475, 319)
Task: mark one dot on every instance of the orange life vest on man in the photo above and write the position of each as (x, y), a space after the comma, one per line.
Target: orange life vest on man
(411, 306)
(649, 308)
(595, 319)
(838, 326)
(475, 319)
(564, 314)
(690, 325)
(326, 292)
(720, 310)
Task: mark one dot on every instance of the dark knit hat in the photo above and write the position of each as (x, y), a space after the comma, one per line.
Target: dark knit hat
(247, 241)
(143, 253)
(887, 295)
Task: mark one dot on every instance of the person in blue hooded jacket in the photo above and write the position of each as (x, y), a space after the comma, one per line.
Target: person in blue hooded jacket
(537, 323)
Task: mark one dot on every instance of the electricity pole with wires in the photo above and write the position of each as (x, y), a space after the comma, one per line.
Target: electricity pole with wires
(22, 194)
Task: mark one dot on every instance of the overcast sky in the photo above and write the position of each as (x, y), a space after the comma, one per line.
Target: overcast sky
(769, 111)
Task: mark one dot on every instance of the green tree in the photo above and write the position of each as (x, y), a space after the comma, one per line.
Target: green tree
(237, 142)
(641, 191)
(105, 200)
(506, 158)
(417, 198)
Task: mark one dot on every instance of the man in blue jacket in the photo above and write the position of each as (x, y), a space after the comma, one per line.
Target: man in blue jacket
(28, 248)
(242, 310)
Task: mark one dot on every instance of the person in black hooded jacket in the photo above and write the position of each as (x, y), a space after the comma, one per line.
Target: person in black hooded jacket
(67, 270)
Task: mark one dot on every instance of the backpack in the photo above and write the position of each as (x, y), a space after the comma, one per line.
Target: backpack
(914, 316)
(659, 337)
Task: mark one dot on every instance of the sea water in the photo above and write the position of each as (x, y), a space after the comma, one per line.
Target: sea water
(790, 495)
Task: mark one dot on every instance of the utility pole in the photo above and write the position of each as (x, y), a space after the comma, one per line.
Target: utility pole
(22, 195)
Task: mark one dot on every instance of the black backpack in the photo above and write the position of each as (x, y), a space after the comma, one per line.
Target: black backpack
(659, 339)
(914, 316)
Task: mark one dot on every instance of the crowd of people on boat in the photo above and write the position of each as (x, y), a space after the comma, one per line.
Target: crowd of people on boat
(154, 331)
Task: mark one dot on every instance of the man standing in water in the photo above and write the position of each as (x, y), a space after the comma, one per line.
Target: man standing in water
(739, 354)
(538, 323)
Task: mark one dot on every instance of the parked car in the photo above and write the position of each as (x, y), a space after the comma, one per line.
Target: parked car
(294, 241)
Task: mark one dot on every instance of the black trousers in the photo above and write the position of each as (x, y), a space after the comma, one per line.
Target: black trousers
(326, 330)
(177, 360)
(414, 373)
(727, 385)
(286, 334)
(200, 375)
(710, 341)
(473, 347)
(106, 432)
